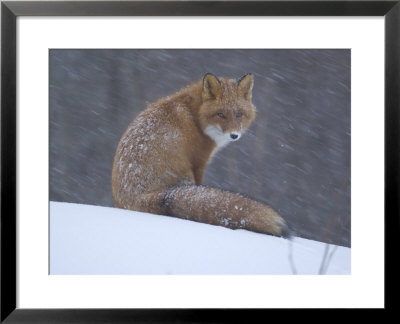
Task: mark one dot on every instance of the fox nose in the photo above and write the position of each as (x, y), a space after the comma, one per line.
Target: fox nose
(234, 136)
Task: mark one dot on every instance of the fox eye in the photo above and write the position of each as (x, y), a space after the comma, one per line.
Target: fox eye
(221, 115)
(239, 114)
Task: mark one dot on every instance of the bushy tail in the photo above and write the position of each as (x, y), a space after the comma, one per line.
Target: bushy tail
(216, 207)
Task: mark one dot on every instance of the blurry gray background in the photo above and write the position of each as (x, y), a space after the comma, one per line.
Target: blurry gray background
(295, 157)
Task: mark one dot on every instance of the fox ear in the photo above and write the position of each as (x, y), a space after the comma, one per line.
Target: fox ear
(211, 87)
(245, 86)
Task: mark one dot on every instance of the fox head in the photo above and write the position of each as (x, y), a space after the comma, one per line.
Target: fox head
(226, 111)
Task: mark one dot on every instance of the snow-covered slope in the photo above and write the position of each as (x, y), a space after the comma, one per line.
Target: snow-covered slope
(99, 240)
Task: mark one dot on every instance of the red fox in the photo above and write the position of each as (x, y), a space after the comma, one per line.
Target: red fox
(161, 157)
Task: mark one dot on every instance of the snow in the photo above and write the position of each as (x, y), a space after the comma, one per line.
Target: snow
(88, 239)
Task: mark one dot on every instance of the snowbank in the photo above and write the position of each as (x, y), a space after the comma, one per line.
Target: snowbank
(99, 240)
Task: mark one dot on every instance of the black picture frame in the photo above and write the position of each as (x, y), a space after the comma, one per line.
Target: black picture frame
(10, 10)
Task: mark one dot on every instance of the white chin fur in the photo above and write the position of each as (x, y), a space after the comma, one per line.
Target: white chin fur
(216, 134)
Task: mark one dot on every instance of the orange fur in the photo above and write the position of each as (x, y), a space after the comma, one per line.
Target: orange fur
(161, 157)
